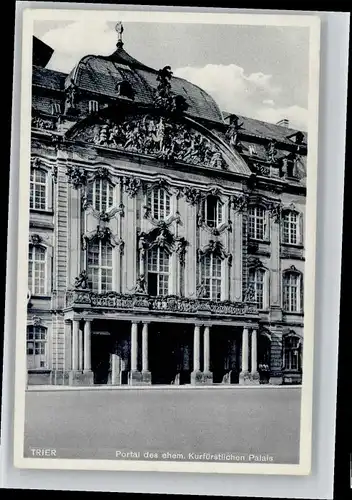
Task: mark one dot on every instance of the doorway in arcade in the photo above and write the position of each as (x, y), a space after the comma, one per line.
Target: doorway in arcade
(110, 351)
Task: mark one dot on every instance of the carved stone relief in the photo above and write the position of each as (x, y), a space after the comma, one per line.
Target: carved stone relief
(157, 136)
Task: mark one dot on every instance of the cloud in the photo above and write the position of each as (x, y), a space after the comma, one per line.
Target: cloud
(297, 116)
(270, 102)
(72, 42)
(252, 95)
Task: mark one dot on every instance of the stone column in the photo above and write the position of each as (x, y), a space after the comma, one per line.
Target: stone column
(244, 375)
(135, 375)
(207, 375)
(146, 375)
(87, 346)
(80, 349)
(196, 375)
(254, 366)
(75, 330)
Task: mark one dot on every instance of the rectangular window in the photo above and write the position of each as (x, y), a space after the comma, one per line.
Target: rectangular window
(101, 195)
(159, 202)
(36, 347)
(211, 267)
(256, 285)
(292, 354)
(290, 228)
(212, 211)
(291, 292)
(38, 190)
(158, 272)
(256, 223)
(100, 267)
(37, 270)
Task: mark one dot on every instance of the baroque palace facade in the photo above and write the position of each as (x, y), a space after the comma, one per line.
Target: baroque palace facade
(166, 239)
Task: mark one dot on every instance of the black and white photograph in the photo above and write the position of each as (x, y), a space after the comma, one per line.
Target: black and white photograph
(166, 285)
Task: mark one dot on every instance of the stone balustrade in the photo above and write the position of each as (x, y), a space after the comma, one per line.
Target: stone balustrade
(170, 304)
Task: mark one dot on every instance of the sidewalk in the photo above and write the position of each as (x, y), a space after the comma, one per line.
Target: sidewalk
(126, 387)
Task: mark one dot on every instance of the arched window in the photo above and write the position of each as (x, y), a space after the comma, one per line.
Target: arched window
(292, 352)
(38, 198)
(158, 272)
(210, 276)
(256, 282)
(101, 195)
(37, 270)
(256, 222)
(36, 347)
(159, 203)
(292, 287)
(100, 268)
(212, 211)
(291, 227)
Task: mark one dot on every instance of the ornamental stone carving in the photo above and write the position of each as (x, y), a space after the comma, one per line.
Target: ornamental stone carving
(271, 152)
(158, 136)
(132, 185)
(102, 173)
(239, 202)
(215, 248)
(54, 173)
(181, 246)
(192, 195)
(103, 234)
(82, 280)
(36, 320)
(254, 262)
(44, 123)
(36, 162)
(35, 239)
(163, 96)
(77, 176)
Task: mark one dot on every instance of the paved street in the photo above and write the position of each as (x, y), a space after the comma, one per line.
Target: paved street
(93, 423)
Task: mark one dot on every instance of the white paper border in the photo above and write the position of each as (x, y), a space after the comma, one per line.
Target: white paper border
(303, 467)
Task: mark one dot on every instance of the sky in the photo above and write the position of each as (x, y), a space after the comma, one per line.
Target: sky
(255, 71)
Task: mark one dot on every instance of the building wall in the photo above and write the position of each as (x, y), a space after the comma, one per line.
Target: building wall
(64, 222)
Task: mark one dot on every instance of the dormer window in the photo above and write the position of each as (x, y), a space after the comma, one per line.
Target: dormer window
(56, 108)
(212, 211)
(124, 89)
(252, 150)
(93, 106)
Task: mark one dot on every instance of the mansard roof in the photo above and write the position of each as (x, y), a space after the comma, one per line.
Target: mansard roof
(101, 74)
(48, 78)
(264, 130)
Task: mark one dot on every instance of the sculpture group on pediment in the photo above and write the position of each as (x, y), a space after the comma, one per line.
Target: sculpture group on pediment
(161, 137)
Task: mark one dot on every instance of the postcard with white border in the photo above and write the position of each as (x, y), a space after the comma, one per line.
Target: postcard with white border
(166, 269)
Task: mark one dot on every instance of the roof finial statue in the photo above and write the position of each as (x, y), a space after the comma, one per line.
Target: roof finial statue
(119, 30)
